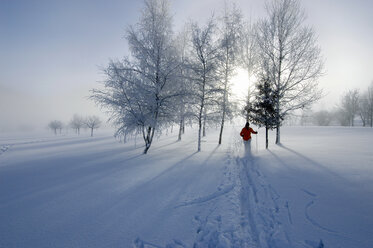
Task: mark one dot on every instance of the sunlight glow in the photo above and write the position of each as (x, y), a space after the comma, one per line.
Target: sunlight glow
(240, 83)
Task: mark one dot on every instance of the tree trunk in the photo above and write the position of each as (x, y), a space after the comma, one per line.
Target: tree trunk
(221, 128)
(147, 146)
(225, 100)
(202, 108)
(223, 117)
(147, 139)
(278, 135)
(150, 132)
(278, 124)
(204, 124)
(180, 128)
(248, 101)
(352, 120)
(199, 134)
(363, 119)
(200, 127)
(278, 120)
(92, 132)
(266, 137)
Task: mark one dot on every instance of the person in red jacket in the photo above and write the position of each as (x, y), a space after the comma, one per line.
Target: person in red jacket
(246, 135)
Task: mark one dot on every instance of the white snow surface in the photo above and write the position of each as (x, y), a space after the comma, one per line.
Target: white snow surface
(314, 190)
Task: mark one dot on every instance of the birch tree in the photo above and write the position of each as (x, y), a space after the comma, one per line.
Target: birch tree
(184, 102)
(203, 60)
(231, 25)
(140, 90)
(290, 50)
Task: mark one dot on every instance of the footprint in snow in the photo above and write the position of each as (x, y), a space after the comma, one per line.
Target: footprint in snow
(4, 148)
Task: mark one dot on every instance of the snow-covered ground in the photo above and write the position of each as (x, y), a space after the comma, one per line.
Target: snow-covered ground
(315, 190)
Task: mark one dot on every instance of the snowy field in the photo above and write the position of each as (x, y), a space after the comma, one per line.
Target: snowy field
(315, 190)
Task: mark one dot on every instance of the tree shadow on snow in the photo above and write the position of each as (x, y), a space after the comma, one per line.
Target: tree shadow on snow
(210, 155)
(171, 168)
(310, 161)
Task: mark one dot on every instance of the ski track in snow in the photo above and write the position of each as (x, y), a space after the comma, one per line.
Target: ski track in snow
(260, 209)
(289, 212)
(248, 198)
(246, 235)
(307, 214)
(259, 205)
(213, 230)
(211, 224)
(139, 243)
(221, 191)
(257, 200)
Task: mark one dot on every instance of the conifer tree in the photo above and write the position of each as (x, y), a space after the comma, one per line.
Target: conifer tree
(263, 111)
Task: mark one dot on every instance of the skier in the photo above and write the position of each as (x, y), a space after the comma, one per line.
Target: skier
(246, 135)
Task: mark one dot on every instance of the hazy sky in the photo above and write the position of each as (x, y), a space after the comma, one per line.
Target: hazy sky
(51, 51)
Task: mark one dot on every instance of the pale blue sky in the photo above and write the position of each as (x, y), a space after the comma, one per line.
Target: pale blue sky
(51, 51)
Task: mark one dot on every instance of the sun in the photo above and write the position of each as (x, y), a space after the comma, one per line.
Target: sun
(240, 83)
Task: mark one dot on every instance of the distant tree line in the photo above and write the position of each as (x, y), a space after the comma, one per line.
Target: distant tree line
(76, 123)
(354, 106)
(172, 79)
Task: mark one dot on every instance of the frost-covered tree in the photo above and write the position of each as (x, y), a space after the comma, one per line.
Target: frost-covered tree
(263, 112)
(341, 116)
(76, 123)
(229, 40)
(363, 109)
(92, 122)
(349, 106)
(322, 118)
(140, 91)
(290, 50)
(203, 59)
(183, 104)
(369, 96)
(55, 125)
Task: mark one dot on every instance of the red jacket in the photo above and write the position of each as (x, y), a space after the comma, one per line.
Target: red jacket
(246, 133)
